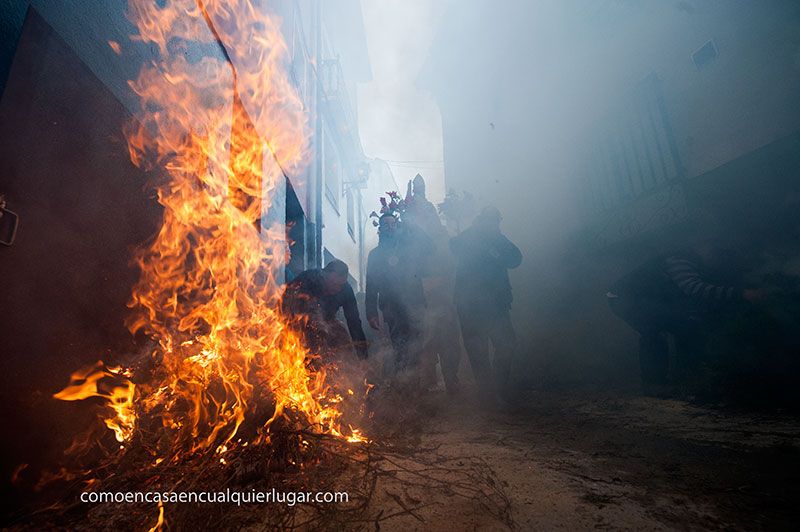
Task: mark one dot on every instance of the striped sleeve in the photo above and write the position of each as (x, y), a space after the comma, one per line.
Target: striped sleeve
(685, 274)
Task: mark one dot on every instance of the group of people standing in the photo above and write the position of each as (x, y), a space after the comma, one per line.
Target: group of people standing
(429, 291)
(420, 285)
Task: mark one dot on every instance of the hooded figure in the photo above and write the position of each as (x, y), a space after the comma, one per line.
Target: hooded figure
(421, 212)
(440, 332)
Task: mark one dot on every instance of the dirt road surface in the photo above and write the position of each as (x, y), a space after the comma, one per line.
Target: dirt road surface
(596, 460)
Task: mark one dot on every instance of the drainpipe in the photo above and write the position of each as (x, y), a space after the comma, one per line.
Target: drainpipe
(318, 143)
(361, 265)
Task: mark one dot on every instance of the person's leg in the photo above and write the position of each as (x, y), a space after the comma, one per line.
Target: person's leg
(449, 349)
(415, 340)
(450, 358)
(644, 317)
(653, 358)
(476, 343)
(504, 341)
(398, 334)
(429, 352)
(401, 347)
(398, 341)
(690, 342)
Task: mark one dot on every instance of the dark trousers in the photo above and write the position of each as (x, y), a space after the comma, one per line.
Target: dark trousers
(479, 326)
(406, 337)
(654, 319)
(444, 342)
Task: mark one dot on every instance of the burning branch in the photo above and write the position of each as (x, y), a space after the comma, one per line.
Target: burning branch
(228, 364)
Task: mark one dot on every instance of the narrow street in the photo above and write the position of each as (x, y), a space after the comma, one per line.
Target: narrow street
(400, 265)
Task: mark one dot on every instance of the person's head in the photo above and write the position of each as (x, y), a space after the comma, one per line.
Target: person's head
(387, 226)
(335, 275)
(489, 219)
(419, 186)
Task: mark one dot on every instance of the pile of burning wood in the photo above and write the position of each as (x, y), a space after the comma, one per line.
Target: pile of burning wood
(225, 396)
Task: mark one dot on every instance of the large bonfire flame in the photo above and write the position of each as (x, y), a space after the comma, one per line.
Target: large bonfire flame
(222, 128)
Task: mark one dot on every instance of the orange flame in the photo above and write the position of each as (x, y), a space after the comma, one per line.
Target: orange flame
(225, 127)
(84, 383)
(160, 521)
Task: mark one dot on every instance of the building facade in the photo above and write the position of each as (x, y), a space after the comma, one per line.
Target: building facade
(329, 58)
(595, 104)
(328, 52)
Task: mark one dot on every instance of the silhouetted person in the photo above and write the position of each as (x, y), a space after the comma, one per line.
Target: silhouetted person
(441, 337)
(394, 285)
(422, 212)
(483, 299)
(676, 294)
(317, 295)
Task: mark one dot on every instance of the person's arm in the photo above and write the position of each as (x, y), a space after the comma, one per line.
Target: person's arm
(684, 272)
(508, 254)
(350, 309)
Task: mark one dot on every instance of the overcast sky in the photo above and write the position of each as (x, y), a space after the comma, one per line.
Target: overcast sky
(398, 122)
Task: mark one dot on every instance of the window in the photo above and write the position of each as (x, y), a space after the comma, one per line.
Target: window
(634, 152)
(333, 172)
(299, 66)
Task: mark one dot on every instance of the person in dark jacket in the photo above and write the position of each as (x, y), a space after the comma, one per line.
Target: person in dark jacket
(317, 295)
(676, 295)
(483, 299)
(394, 286)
